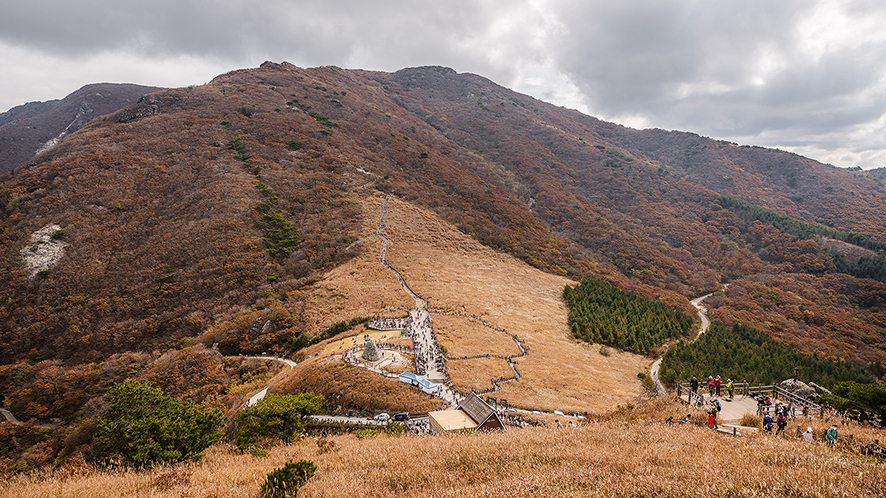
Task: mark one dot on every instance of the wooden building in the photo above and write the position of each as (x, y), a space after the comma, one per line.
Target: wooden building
(472, 413)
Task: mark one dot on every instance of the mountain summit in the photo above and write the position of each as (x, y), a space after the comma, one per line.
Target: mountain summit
(193, 208)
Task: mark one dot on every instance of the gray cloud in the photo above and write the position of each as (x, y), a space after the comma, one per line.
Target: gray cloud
(804, 75)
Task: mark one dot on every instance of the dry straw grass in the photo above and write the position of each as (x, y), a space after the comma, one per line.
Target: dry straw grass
(459, 275)
(622, 455)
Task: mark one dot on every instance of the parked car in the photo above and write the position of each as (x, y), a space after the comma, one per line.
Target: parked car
(401, 417)
(382, 417)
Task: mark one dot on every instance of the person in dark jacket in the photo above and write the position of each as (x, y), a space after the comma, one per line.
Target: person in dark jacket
(693, 384)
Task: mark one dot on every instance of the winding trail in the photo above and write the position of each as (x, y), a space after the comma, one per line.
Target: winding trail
(9, 416)
(705, 323)
(430, 361)
(260, 395)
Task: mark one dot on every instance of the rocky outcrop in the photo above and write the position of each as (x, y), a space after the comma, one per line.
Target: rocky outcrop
(806, 391)
(45, 250)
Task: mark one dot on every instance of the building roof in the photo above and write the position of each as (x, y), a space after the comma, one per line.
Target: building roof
(414, 379)
(453, 420)
(476, 408)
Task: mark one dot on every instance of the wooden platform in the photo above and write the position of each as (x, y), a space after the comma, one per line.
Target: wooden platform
(732, 411)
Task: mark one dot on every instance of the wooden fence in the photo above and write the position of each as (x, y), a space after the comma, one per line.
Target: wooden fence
(744, 388)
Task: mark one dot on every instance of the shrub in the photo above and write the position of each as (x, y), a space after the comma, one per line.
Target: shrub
(863, 402)
(396, 428)
(279, 416)
(286, 480)
(142, 427)
(365, 433)
(322, 119)
(749, 420)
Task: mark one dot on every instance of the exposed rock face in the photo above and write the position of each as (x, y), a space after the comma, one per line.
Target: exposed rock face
(45, 250)
(806, 391)
(370, 352)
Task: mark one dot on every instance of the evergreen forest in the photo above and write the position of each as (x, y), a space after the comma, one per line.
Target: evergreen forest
(747, 354)
(601, 312)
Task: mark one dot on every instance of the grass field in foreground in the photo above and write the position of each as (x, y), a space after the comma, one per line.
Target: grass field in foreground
(628, 454)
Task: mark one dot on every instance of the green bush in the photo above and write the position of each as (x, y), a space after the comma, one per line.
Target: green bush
(281, 416)
(396, 428)
(286, 480)
(365, 433)
(143, 427)
(863, 402)
(237, 144)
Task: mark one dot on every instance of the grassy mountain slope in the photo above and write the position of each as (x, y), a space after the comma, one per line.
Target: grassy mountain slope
(169, 209)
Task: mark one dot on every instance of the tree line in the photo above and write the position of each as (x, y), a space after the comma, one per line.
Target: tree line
(747, 354)
(864, 267)
(600, 312)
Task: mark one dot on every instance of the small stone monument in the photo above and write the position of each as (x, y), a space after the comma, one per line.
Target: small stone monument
(370, 352)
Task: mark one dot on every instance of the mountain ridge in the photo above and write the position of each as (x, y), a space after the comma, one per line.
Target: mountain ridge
(564, 192)
(28, 129)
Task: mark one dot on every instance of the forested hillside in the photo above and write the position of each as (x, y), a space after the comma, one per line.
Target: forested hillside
(599, 312)
(745, 354)
(210, 212)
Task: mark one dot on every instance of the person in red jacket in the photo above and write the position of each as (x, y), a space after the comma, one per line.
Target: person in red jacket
(717, 384)
(711, 385)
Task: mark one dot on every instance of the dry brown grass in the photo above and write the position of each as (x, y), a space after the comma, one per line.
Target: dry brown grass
(475, 375)
(346, 387)
(750, 420)
(623, 455)
(465, 337)
(459, 275)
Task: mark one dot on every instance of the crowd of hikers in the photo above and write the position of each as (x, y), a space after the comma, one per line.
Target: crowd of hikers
(774, 417)
(715, 386)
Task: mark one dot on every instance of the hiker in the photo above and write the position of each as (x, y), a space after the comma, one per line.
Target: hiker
(831, 435)
(715, 408)
(767, 423)
(730, 388)
(717, 384)
(796, 373)
(693, 385)
(711, 384)
(807, 436)
(781, 421)
(686, 419)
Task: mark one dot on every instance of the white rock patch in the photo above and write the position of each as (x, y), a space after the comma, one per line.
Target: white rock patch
(44, 252)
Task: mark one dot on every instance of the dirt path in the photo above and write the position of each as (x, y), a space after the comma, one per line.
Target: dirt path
(470, 285)
(260, 395)
(705, 323)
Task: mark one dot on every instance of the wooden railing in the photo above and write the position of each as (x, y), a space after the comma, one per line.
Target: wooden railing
(744, 388)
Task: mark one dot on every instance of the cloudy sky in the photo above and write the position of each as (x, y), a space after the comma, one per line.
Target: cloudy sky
(803, 75)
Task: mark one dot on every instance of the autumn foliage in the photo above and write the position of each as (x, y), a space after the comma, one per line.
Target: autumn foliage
(204, 214)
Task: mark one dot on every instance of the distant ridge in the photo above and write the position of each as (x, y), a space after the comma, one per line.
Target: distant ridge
(32, 127)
